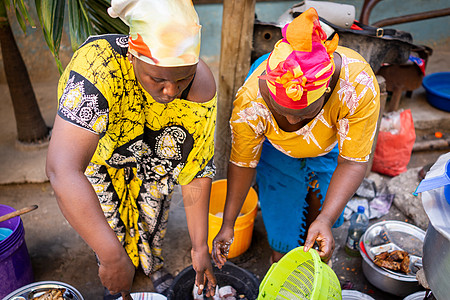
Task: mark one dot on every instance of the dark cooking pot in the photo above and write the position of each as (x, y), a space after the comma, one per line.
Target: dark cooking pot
(243, 281)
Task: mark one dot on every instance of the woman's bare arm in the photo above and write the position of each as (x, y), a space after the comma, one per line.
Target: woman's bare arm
(196, 196)
(239, 181)
(69, 153)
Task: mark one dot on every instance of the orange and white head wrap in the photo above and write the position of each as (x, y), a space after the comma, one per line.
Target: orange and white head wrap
(162, 32)
(301, 64)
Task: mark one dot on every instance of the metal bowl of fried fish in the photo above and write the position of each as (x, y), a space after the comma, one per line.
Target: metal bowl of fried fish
(45, 290)
(392, 254)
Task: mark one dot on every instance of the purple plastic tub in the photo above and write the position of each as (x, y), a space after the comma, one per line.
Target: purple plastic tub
(15, 264)
(437, 86)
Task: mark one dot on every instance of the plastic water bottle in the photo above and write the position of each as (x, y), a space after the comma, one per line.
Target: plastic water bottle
(358, 225)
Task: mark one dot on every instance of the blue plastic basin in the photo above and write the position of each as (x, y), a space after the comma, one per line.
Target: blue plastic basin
(437, 86)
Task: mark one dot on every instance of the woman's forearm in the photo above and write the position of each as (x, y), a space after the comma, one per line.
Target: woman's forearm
(196, 196)
(345, 181)
(238, 184)
(69, 153)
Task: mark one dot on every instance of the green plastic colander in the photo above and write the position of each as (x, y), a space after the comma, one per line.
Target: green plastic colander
(300, 275)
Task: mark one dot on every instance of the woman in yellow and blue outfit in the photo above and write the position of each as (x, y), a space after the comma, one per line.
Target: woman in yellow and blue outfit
(304, 121)
(136, 116)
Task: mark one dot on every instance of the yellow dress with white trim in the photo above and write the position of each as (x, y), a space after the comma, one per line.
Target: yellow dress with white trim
(145, 147)
(348, 118)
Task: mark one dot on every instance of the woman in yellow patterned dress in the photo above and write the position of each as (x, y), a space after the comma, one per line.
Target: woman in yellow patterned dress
(136, 116)
(304, 122)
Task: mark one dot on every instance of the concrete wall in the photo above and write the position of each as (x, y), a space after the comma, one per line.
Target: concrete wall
(433, 32)
(428, 32)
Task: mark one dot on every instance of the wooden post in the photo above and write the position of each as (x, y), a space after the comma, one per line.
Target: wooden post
(236, 45)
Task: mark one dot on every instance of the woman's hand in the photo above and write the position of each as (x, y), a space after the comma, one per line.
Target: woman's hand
(201, 262)
(126, 296)
(117, 276)
(221, 245)
(320, 232)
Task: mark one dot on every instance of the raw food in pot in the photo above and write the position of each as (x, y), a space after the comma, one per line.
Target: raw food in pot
(224, 293)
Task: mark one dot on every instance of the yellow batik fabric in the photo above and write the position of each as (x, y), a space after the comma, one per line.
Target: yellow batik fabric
(348, 118)
(145, 147)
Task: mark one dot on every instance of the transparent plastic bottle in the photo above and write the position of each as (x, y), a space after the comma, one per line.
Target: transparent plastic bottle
(358, 225)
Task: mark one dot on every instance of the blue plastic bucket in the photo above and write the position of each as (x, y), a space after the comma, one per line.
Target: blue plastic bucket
(15, 264)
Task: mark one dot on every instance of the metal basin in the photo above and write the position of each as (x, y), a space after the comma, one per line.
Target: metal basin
(386, 236)
(355, 295)
(436, 262)
(37, 288)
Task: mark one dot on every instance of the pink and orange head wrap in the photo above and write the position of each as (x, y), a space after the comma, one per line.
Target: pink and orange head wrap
(163, 33)
(301, 64)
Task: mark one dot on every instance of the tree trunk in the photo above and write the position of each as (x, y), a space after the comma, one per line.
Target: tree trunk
(31, 127)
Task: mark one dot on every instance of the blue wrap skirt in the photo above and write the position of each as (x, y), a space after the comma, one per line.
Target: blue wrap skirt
(283, 183)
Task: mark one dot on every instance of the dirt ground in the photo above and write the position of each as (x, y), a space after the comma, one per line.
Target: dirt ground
(58, 253)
